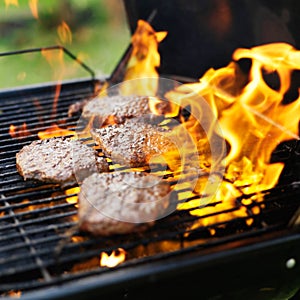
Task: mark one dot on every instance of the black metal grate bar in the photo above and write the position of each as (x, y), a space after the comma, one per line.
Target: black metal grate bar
(50, 48)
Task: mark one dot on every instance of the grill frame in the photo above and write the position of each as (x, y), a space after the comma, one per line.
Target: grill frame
(180, 276)
(191, 262)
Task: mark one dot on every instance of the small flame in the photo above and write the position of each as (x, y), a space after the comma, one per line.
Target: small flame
(33, 4)
(77, 239)
(12, 131)
(64, 33)
(14, 294)
(115, 258)
(143, 61)
(11, 3)
(55, 131)
(19, 131)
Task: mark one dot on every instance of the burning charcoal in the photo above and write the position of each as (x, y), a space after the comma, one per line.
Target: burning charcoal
(135, 143)
(59, 160)
(120, 203)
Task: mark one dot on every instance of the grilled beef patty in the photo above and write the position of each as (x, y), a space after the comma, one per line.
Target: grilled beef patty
(59, 160)
(116, 109)
(120, 203)
(133, 143)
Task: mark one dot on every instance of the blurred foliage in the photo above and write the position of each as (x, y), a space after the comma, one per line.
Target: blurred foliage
(99, 36)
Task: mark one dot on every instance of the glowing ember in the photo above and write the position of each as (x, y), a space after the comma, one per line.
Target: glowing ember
(56, 131)
(64, 33)
(19, 131)
(143, 61)
(33, 4)
(114, 259)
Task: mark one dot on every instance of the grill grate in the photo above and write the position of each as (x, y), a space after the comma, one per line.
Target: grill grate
(35, 217)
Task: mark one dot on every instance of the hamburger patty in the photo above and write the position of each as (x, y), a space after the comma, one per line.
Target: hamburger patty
(116, 109)
(120, 203)
(133, 143)
(59, 160)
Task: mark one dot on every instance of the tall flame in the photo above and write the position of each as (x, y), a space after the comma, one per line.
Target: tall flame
(258, 121)
(143, 61)
(33, 5)
(253, 120)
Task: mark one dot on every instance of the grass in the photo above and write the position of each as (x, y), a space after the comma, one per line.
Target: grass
(99, 36)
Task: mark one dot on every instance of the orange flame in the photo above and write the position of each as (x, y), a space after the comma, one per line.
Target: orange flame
(143, 61)
(11, 2)
(265, 120)
(14, 294)
(56, 61)
(12, 131)
(64, 33)
(19, 131)
(115, 258)
(56, 131)
(253, 120)
(33, 4)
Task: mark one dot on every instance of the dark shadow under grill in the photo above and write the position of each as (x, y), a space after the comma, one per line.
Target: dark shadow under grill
(35, 217)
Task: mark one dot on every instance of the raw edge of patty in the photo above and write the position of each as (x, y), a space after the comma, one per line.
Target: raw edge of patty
(133, 143)
(111, 203)
(59, 160)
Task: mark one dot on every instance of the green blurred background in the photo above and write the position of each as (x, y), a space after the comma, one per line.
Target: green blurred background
(99, 37)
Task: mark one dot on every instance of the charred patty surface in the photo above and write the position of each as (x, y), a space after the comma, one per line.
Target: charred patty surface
(133, 143)
(59, 160)
(119, 203)
(116, 109)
